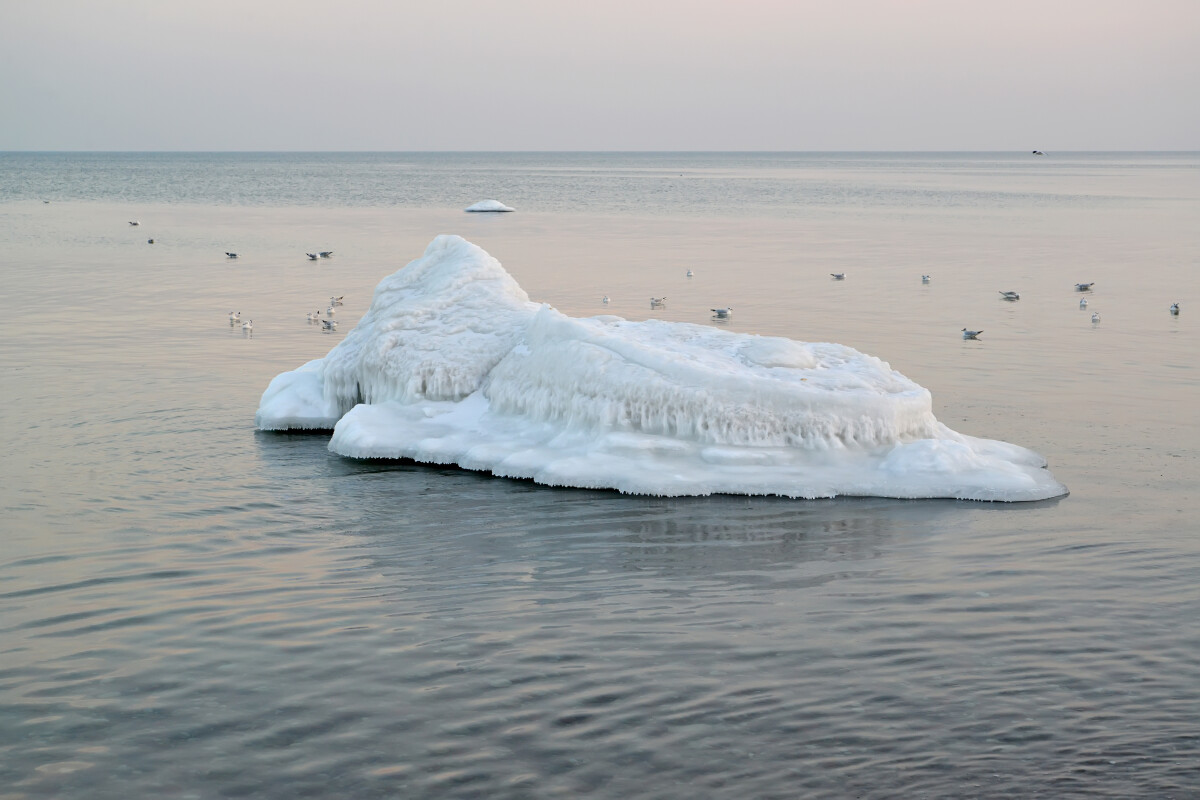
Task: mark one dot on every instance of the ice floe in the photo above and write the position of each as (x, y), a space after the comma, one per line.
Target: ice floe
(453, 364)
(489, 205)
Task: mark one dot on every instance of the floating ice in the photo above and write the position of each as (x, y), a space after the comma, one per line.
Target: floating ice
(452, 364)
(489, 205)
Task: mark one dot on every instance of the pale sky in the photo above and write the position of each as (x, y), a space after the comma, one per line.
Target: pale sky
(605, 75)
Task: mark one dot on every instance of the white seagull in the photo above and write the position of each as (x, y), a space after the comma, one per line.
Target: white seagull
(248, 325)
(329, 324)
(604, 299)
(329, 312)
(1083, 302)
(838, 276)
(1095, 317)
(231, 255)
(1010, 295)
(336, 301)
(655, 302)
(235, 317)
(722, 313)
(1175, 309)
(134, 222)
(325, 253)
(1084, 287)
(689, 273)
(312, 256)
(924, 279)
(970, 334)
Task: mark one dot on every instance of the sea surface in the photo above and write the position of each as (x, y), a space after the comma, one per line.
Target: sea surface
(190, 608)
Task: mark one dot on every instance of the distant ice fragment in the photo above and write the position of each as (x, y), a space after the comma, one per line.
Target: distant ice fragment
(453, 364)
(489, 205)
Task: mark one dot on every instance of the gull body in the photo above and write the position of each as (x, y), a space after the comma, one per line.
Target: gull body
(970, 334)
(1175, 309)
(134, 222)
(604, 299)
(689, 273)
(838, 276)
(1084, 287)
(325, 253)
(924, 279)
(657, 301)
(235, 317)
(329, 312)
(336, 301)
(1083, 302)
(1010, 295)
(312, 256)
(248, 325)
(230, 255)
(722, 313)
(1095, 316)
(329, 324)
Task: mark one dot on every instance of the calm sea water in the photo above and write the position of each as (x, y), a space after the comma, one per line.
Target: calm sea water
(191, 608)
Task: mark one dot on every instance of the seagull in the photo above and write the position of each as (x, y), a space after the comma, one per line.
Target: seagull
(235, 317)
(689, 273)
(325, 253)
(134, 222)
(1095, 317)
(336, 301)
(722, 313)
(657, 301)
(838, 276)
(924, 279)
(1083, 302)
(312, 256)
(231, 255)
(604, 299)
(1084, 287)
(329, 324)
(1175, 309)
(1038, 153)
(329, 312)
(149, 241)
(248, 325)
(313, 316)
(970, 334)
(1010, 295)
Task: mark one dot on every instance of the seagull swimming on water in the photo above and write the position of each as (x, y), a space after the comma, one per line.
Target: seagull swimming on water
(312, 256)
(231, 255)
(134, 222)
(924, 279)
(1084, 287)
(235, 317)
(329, 312)
(329, 324)
(1083, 302)
(722, 313)
(1175, 309)
(325, 253)
(1010, 295)
(970, 334)
(248, 325)
(838, 276)
(337, 301)
(689, 273)
(604, 299)
(1095, 317)
(655, 302)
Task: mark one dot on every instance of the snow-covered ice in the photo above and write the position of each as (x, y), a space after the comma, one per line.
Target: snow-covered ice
(489, 205)
(453, 364)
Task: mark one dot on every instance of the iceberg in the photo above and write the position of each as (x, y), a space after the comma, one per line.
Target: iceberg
(453, 364)
(489, 205)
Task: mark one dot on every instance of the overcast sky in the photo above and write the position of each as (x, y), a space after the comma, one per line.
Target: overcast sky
(604, 75)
